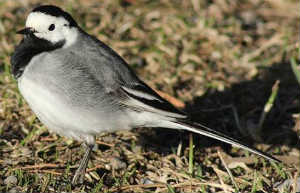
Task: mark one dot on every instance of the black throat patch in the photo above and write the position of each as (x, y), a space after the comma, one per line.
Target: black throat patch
(29, 47)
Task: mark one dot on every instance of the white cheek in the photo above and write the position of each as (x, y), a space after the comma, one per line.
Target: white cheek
(52, 37)
(69, 35)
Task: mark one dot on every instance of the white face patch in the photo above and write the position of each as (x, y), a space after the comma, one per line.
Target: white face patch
(41, 22)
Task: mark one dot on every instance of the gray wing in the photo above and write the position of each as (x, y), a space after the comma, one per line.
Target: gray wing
(100, 68)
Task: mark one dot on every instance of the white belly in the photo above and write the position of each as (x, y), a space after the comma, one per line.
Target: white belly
(55, 113)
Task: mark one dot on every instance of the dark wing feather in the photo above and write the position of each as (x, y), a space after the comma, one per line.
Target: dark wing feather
(150, 101)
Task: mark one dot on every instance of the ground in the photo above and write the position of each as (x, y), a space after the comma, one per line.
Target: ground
(226, 63)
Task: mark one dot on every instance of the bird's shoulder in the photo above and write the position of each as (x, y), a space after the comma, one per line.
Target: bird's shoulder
(93, 55)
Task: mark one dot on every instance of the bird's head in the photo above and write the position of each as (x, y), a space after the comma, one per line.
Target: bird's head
(52, 24)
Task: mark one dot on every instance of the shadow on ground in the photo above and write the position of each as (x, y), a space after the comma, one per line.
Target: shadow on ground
(248, 98)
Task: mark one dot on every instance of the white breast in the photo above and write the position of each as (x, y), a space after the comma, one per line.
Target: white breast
(54, 111)
(46, 106)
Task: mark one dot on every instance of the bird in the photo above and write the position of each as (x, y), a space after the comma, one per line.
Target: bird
(79, 87)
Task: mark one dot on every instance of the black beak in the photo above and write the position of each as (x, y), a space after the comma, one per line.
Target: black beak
(26, 31)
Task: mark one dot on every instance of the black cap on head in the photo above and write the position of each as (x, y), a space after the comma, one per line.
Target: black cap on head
(55, 11)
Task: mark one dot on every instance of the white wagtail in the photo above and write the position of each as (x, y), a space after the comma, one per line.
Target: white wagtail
(79, 87)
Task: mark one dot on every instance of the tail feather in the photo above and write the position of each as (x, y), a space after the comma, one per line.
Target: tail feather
(206, 131)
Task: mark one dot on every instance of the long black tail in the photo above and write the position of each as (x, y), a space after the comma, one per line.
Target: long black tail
(206, 131)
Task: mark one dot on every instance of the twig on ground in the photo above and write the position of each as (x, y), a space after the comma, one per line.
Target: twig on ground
(94, 168)
(176, 102)
(164, 188)
(191, 154)
(103, 143)
(40, 166)
(45, 171)
(222, 182)
(228, 171)
(178, 153)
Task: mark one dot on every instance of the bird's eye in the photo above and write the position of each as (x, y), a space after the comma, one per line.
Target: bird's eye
(51, 27)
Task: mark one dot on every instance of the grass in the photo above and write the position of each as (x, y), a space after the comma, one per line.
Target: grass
(220, 61)
(295, 69)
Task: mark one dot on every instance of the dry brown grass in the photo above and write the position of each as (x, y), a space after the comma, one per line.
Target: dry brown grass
(221, 58)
